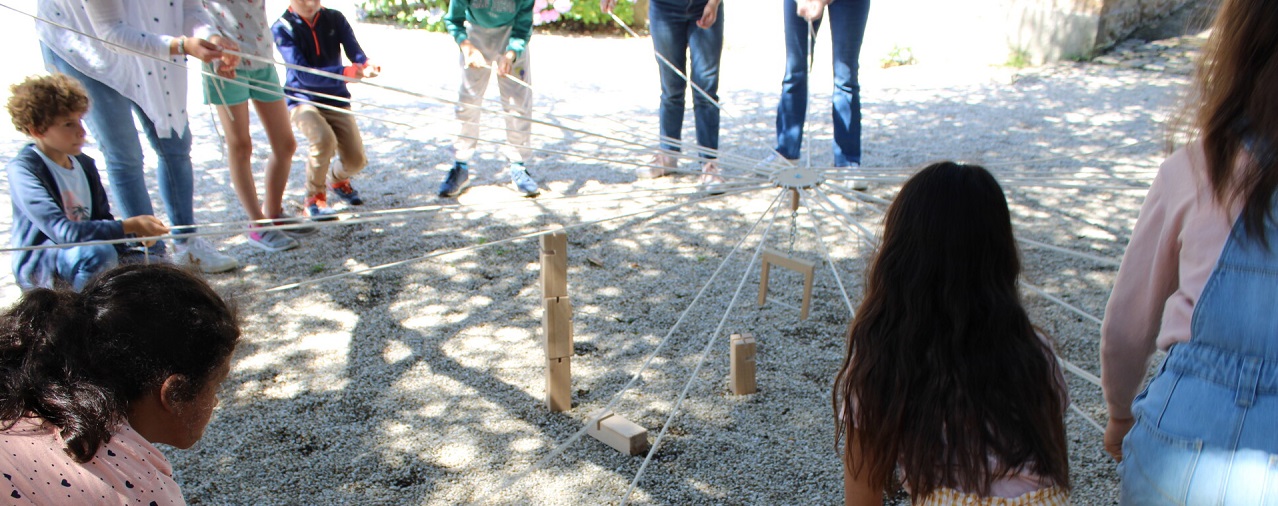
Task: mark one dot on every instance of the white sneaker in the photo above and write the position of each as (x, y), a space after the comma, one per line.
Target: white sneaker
(858, 183)
(660, 165)
(200, 253)
(711, 181)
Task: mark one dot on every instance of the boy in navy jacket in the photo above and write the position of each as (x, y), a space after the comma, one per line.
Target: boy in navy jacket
(310, 35)
(56, 191)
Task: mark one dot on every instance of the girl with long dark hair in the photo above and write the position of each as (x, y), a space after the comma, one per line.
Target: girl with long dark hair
(90, 381)
(1199, 280)
(945, 379)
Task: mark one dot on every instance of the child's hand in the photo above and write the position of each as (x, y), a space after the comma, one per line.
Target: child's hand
(811, 10)
(1115, 431)
(205, 50)
(371, 69)
(709, 15)
(607, 5)
(228, 60)
(507, 61)
(473, 58)
(145, 226)
(354, 71)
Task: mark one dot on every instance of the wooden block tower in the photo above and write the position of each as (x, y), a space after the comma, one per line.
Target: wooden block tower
(556, 322)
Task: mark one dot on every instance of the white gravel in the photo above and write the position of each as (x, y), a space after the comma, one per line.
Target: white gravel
(423, 383)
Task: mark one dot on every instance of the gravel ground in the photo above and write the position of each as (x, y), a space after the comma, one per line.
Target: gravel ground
(423, 383)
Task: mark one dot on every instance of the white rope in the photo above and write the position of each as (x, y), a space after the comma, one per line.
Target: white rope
(1067, 251)
(692, 379)
(817, 231)
(1060, 301)
(1089, 419)
(865, 233)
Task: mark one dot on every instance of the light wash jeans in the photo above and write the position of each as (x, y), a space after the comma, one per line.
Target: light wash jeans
(675, 36)
(79, 264)
(1206, 428)
(110, 120)
(847, 25)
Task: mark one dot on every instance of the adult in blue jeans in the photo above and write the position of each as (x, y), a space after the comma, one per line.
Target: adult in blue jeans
(120, 82)
(1199, 279)
(679, 29)
(847, 29)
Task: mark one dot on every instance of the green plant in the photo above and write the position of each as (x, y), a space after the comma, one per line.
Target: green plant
(318, 268)
(897, 57)
(1019, 58)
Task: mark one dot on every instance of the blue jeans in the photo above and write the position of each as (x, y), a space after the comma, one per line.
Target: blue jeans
(1207, 425)
(675, 34)
(110, 119)
(847, 19)
(79, 264)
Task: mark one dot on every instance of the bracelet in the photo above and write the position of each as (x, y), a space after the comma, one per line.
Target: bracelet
(182, 45)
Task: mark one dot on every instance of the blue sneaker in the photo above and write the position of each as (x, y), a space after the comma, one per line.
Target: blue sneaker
(458, 177)
(523, 181)
(317, 208)
(345, 192)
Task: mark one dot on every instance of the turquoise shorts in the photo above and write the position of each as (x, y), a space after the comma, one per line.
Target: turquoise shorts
(264, 82)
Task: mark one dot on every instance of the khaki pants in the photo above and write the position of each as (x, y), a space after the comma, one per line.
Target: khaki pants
(515, 98)
(328, 132)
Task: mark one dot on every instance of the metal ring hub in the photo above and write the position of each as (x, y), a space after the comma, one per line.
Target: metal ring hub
(797, 177)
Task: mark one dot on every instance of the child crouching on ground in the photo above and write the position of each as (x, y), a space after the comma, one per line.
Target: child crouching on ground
(56, 191)
(311, 35)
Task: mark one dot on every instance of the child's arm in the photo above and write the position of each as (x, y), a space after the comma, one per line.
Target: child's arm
(709, 15)
(455, 20)
(857, 489)
(32, 198)
(521, 28)
(197, 22)
(354, 52)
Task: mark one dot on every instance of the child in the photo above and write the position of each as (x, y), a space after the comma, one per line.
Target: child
(945, 379)
(497, 35)
(1198, 280)
(246, 22)
(312, 36)
(90, 383)
(56, 191)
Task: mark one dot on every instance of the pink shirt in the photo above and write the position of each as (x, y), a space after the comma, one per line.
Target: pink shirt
(127, 470)
(1178, 238)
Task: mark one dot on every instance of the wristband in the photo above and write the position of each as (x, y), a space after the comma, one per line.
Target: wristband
(182, 45)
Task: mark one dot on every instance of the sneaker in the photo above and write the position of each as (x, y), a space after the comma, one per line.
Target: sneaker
(773, 159)
(711, 181)
(858, 184)
(523, 181)
(317, 208)
(458, 177)
(346, 193)
(270, 240)
(199, 252)
(299, 227)
(660, 165)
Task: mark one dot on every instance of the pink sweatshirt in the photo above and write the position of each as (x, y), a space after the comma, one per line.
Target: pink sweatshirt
(1178, 238)
(127, 470)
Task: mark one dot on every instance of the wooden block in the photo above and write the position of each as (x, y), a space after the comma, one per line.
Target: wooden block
(794, 199)
(554, 264)
(556, 324)
(741, 376)
(805, 267)
(559, 384)
(624, 435)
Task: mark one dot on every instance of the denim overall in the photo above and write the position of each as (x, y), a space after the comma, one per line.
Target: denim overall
(1206, 428)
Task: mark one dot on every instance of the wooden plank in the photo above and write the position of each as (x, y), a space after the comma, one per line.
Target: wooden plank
(554, 264)
(559, 384)
(624, 435)
(556, 324)
(805, 267)
(782, 260)
(741, 375)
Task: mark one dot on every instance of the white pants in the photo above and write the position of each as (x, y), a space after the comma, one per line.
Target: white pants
(516, 98)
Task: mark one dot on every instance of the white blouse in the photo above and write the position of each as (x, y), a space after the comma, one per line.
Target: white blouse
(129, 49)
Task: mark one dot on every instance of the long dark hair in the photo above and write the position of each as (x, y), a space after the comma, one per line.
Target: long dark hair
(1237, 107)
(943, 369)
(78, 359)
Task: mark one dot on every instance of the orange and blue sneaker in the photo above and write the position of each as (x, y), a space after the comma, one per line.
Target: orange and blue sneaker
(317, 208)
(346, 193)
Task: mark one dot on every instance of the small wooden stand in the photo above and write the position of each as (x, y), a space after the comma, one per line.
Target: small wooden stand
(556, 322)
(807, 268)
(624, 435)
(741, 375)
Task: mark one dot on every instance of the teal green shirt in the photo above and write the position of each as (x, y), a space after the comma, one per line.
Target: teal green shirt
(517, 14)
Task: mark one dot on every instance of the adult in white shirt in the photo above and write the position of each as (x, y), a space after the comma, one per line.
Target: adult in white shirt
(131, 63)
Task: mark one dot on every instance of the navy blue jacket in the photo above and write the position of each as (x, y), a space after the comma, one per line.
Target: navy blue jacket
(317, 44)
(39, 218)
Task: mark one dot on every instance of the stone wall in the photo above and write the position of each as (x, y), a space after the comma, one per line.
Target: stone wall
(1119, 18)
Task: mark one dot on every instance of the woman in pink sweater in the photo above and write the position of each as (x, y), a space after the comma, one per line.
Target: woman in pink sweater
(90, 381)
(1199, 280)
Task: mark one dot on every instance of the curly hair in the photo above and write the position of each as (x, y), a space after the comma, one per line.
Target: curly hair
(38, 101)
(77, 360)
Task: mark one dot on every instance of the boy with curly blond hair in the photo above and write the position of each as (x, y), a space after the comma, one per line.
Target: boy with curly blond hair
(56, 192)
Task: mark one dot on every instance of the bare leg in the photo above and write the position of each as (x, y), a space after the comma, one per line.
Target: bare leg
(239, 151)
(279, 130)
